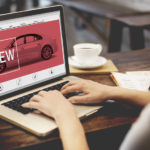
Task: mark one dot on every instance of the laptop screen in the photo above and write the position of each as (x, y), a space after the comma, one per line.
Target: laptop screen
(31, 49)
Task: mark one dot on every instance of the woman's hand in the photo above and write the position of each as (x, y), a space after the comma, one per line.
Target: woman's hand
(54, 104)
(93, 92)
(51, 103)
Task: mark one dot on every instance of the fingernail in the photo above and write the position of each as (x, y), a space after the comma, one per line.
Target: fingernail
(72, 101)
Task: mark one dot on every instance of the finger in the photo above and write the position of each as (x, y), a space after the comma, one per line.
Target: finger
(36, 98)
(73, 88)
(31, 104)
(56, 92)
(79, 99)
(42, 93)
(53, 91)
(69, 84)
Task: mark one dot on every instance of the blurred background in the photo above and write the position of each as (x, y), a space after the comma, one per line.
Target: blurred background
(93, 21)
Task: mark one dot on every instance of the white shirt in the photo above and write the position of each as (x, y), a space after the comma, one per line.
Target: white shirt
(138, 137)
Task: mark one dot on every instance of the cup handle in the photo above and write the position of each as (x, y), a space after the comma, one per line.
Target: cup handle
(99, 48)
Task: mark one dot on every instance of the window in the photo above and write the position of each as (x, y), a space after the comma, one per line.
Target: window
(30, 39)
(19, 41)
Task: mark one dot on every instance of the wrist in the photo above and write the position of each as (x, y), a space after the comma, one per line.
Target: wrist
(66, 111)
(114, 92)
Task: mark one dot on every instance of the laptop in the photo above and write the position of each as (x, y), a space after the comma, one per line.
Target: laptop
(33, 57)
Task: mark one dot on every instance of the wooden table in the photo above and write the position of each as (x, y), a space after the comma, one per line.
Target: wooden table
(111, 116)
(86, 9)
(116, 17)
(136, 23)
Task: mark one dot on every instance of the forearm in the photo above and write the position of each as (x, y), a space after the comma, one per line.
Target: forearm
(71, 132)
(140, 98)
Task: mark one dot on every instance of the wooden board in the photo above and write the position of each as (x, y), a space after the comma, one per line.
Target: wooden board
(106, 69)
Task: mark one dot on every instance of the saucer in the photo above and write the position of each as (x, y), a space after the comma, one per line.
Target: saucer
(100, 61)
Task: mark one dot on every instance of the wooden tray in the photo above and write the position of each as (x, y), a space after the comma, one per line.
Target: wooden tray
(106, 69)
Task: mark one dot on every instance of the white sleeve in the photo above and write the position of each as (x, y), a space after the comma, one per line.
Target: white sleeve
(138, 137)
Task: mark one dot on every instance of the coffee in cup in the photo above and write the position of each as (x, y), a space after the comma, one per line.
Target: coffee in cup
(87, 53)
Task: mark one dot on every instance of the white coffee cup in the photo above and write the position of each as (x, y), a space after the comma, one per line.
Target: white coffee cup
(87, 53)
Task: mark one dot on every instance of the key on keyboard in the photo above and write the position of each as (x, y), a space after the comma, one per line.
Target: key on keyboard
(16, 103)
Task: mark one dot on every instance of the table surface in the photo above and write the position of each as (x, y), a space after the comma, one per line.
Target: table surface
(135, 19)
(111, 115)
(110, 10)
(97, 8)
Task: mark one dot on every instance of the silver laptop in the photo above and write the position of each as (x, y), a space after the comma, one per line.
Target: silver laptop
(33, 57)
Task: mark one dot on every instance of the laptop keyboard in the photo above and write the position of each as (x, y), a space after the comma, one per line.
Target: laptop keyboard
(16, 103)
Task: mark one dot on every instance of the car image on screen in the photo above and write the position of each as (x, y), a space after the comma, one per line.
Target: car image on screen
(31, 48)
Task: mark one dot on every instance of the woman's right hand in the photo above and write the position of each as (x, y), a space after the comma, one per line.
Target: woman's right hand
(93, 92)
(51, 103)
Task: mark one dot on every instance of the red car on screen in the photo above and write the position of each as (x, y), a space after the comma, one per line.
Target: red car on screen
(30, 48)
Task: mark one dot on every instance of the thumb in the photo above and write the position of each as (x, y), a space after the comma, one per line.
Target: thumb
(31, 105)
